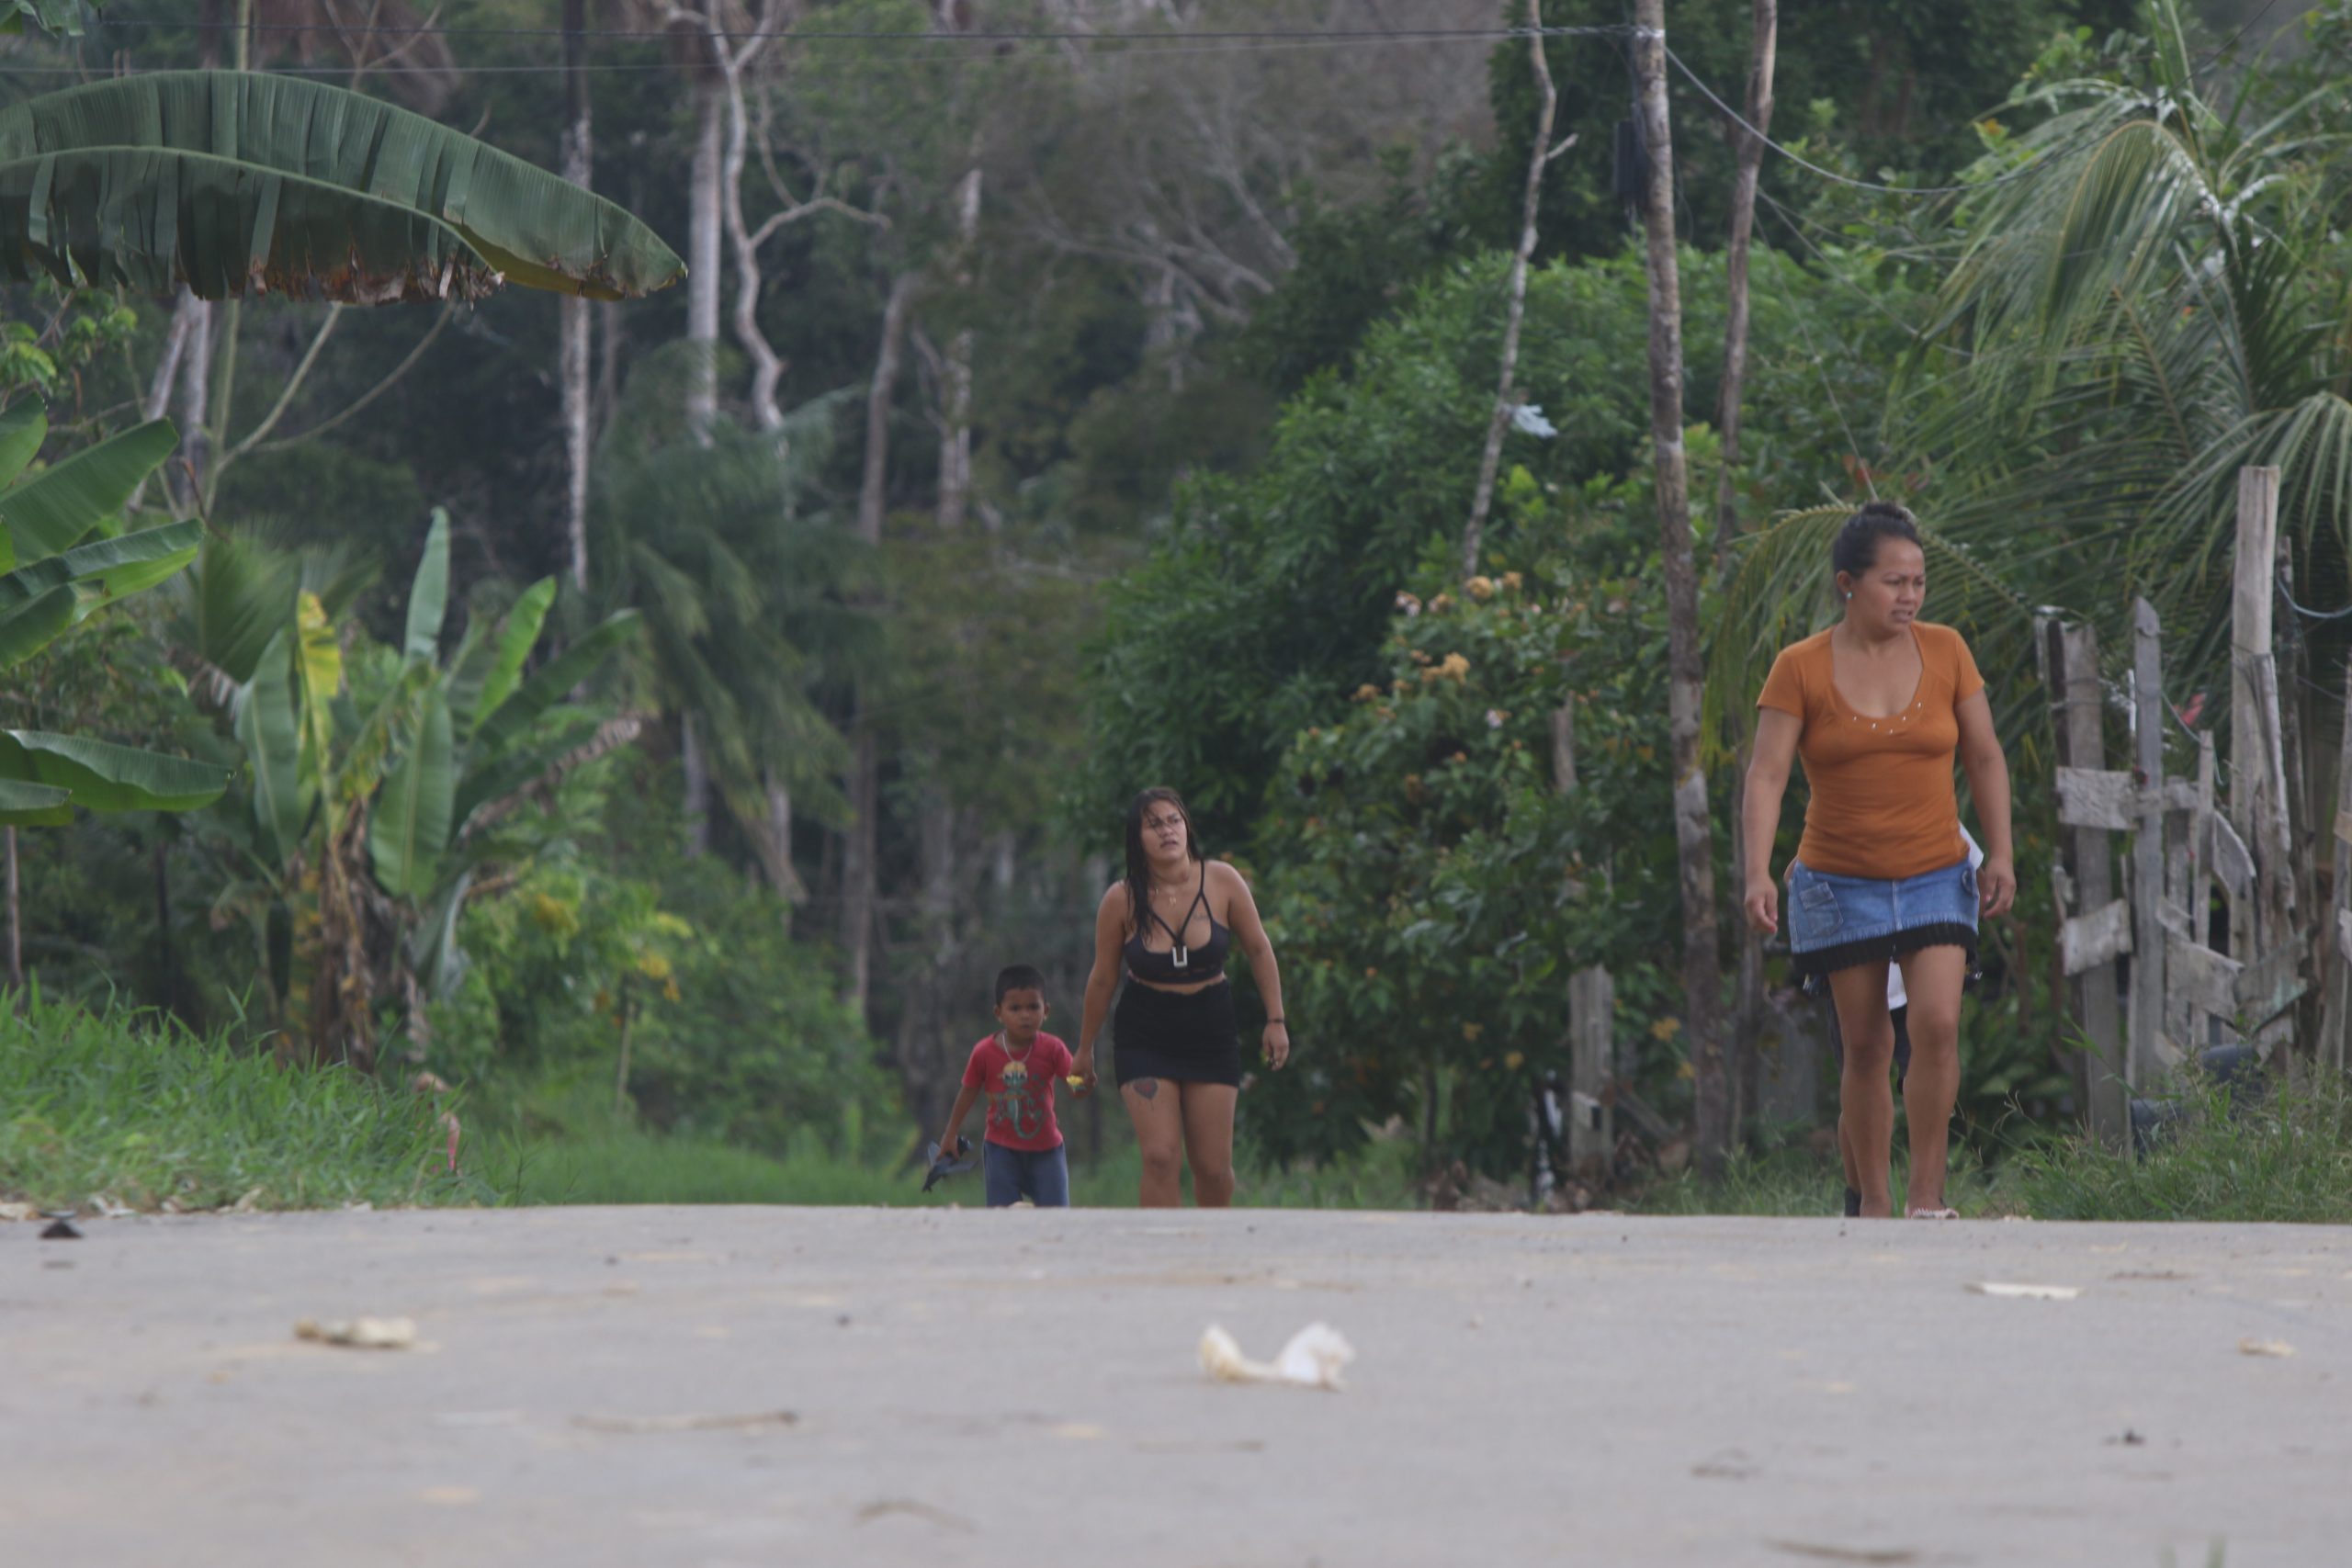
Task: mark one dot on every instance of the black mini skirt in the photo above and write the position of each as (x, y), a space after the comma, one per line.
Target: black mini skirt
(1171, 1034)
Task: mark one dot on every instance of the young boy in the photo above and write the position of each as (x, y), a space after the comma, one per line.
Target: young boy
(1015, 1067)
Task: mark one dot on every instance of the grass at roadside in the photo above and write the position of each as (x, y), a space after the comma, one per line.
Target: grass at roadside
(2277, 1152)
(131, 1108)
(629, 1166)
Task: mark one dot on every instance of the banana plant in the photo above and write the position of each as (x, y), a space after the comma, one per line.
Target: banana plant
(245, 182)
(369, 819)
(63, 558)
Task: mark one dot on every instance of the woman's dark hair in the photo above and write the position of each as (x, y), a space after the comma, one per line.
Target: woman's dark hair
(1138, 867)
(1856, 549)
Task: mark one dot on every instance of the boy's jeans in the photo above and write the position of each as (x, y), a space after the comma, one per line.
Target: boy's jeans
(1040, 1174)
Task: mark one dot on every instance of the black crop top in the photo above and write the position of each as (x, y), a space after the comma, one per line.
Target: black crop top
(1179, 963)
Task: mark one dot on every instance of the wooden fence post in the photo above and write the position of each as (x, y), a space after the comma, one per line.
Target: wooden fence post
(1592, 1014)
(2336, 935)
(2071, 676)
(2145, 1058)
(1593, 1010)
(2263, 935)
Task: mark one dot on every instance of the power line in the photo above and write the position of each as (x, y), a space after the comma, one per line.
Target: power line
(934, 47)
(797, 35)
(1741, 120)
(2251, 22)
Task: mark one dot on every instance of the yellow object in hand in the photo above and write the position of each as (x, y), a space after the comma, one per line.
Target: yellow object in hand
(1075, 1081)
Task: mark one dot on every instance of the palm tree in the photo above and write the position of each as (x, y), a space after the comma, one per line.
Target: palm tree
(707, 529)
(2147, 298)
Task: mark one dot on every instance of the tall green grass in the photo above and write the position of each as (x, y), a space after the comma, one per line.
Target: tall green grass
(129, 1107)
(2280, 1151)
(622, 1165)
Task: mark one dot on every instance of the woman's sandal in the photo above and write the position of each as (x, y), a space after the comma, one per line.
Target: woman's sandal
(1931, 1213)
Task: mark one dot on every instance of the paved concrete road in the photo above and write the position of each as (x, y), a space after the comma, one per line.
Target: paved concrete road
(976, 1389)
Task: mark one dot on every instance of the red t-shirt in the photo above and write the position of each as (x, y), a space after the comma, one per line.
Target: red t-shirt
(1020, 1090)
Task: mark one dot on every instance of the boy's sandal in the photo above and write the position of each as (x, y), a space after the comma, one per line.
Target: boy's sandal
(1931, 1213)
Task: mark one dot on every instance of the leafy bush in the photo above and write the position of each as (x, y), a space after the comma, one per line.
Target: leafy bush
(1267, 601)
(130, 1106)
(734, 1031)
(1430, 885)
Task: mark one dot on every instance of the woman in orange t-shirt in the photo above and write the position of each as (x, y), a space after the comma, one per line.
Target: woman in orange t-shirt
(1878, 705)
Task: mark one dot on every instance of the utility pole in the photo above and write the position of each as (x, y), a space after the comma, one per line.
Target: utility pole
(572, 350)
(1748, 145)
(1693, 831)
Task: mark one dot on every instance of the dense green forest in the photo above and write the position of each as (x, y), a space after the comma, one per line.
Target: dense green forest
(662, 714)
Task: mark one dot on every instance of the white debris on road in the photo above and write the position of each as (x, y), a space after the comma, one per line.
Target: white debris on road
(1315, 1358)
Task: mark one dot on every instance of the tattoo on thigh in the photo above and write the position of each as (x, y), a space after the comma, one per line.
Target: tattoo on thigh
(1147, 1088)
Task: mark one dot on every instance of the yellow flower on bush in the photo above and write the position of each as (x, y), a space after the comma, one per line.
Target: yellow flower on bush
(1665, 1029)
(554, 916)
(1442, 604)
(1454, 668)
(1471, 1032)
(1481, 588)
(653, 965)
(1514, 581)
(1514, 1060)
(1365, 693)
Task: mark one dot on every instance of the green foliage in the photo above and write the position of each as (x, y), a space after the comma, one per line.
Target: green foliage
(736, 1033)
(117, 1103)
(59, 579)
(1428, 882)
(1267, 601)
(226, 180)
(2275, 1153)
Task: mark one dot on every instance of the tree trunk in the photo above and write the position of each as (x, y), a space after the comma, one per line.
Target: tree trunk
(196, 397)
(576, 311)
(771, 836)
(858, 851)
(695, 770)
(955, 395)
(874, 491)
(858, 872)
(1693, 832)
(1748, 1006)
(1750, 149)
(1506, 395)
(16, 921)
(703, 264)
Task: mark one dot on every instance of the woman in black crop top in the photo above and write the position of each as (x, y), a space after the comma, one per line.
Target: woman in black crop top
(1170, 924)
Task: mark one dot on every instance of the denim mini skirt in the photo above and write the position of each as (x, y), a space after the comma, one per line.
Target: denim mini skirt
(1837, 923)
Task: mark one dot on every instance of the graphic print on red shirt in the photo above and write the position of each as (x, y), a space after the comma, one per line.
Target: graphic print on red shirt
(1020, 1090)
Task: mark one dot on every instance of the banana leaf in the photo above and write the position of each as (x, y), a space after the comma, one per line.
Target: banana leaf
(33, 805)
(56, 510)
(151, 218)
(411, 825)
(515, 641)
(532, 226)
(319, 656)
(270, 729)
(241, 594)
(549, 684)
(520, 766)
(58, 18)
(22, 430)
(106, 777)
(116, 567)
(428, 593)
(26, 628)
